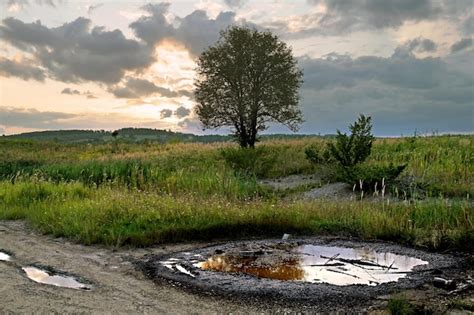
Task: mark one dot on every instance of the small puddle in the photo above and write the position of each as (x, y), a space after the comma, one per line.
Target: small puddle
(316, 264)
(45, 277)
(4, 256)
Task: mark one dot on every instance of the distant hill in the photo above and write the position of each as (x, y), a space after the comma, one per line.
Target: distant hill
(131, 135)
(125, 134)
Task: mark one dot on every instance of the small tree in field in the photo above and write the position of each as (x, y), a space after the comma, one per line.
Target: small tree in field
(246, 80)
(353, 149)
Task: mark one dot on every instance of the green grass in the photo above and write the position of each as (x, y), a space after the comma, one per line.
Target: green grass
(119, 216)
(142, 194)
(399, 305)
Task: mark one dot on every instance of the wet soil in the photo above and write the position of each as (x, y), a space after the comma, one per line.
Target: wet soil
(243, 280)
(117, 287)
(118, 284)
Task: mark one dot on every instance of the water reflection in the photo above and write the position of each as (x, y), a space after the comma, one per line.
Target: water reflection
(317, 264)
(41, 276)
(4, 256)
(289, 269)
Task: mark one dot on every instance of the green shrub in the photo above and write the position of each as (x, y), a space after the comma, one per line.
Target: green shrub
(317, 155)
(348, 152)
(400, 306)
(351, 150)
(249, 161)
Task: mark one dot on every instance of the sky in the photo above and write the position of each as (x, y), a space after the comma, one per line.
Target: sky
(87, 64)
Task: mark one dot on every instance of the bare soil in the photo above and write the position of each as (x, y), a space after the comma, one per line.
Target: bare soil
(292, 181)
(118, 288)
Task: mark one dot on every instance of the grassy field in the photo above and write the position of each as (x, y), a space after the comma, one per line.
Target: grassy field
(141, 194)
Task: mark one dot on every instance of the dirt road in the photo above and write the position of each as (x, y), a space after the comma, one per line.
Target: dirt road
(118, 287)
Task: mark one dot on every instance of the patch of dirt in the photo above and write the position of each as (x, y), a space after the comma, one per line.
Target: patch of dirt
(292, 181)
(117, 286)
(330, 191)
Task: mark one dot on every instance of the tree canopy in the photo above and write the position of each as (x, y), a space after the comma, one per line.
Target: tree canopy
(246, 80)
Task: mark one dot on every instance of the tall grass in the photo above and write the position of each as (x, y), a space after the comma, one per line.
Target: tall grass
(141, 194)
(118, 217)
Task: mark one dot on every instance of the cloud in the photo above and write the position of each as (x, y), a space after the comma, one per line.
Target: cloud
(421, 45)
(20, 118)
(31, 118)
(92, 8)
(24, 70)
(70, 91)
(402, 92)
(76, 51)
(235, 3)
(461, 45)
(467, 27)
(340, 16)
(182, 112)
(195, 31)
(136, 88)
(89, 95)
(17, 5)
(166, 113)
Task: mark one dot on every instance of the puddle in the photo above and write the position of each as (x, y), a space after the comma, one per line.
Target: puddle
(4, 256)
(317, 264)
(45, 277)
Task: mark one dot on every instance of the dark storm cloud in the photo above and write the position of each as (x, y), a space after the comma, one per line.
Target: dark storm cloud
(24, 70)
(136, 88)
(166, 113)
(402, 69)
(76, 51)
(182, 112)
(462, 44)
(402, 92)
(31, 118)
(195, 31)
(343, 16)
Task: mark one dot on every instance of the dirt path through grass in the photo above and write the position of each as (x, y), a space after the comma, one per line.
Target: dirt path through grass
(118, 287)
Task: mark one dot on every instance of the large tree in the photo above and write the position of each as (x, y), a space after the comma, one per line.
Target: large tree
(246, 80)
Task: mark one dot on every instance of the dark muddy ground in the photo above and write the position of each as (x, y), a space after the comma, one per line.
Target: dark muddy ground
(183, 269)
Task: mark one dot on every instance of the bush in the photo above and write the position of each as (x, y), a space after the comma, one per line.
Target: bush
(316, 155)
(351, 150)
(400, 306)
(249, 162)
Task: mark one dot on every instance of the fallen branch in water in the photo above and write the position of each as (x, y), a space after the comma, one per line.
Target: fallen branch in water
(326, 265)
(358, 262)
